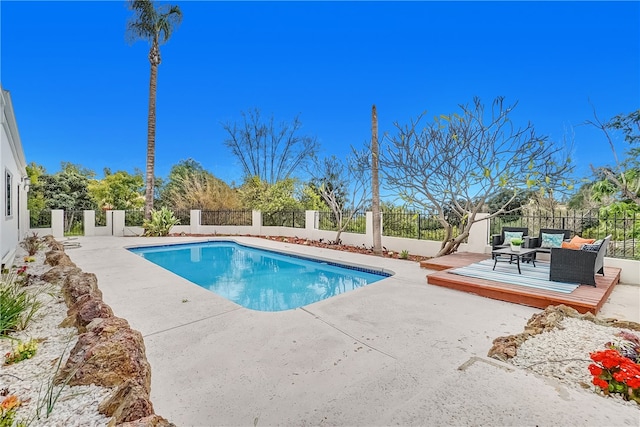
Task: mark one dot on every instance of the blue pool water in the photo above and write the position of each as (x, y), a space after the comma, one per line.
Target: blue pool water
(257, 279)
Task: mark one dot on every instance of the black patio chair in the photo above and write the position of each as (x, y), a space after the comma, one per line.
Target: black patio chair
(578, 265)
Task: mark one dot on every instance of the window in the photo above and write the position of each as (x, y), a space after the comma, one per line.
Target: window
(8, 194)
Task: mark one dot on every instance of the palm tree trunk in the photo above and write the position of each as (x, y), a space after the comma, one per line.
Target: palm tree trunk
(154, 59)
(375, 184)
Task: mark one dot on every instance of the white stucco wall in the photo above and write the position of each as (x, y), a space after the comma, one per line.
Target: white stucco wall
(12, 227)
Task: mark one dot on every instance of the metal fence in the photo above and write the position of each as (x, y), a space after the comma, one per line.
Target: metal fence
(294, 219)
(40, 219)
(590, 224)
(329, 222)
(414, 225)
(243, 217)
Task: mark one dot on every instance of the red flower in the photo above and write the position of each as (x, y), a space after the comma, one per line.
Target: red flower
(619, 376)
(633, 383)
(601, 383)
(595, 370)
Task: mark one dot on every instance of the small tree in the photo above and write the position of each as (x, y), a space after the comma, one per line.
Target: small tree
(271, 152)
(456, 163)
(344, 186)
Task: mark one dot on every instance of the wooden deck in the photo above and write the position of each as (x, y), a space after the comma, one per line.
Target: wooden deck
(584, 298)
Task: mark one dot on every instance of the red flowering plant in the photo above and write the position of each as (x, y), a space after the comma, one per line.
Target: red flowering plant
(614, 373)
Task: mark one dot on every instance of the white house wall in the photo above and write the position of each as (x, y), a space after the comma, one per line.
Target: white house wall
(12, 227)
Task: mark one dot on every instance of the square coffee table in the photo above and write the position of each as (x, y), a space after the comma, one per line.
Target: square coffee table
(529, 254)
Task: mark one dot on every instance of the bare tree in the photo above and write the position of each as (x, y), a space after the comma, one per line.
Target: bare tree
(269, 151)
(454, 164)
(344, 186)
(375, 183)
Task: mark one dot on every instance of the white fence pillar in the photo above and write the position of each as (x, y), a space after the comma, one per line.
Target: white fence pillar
(310, 221)
(118, 223)
(368, 233)
(57, 222)
(256, 222)
(479, 234)
(89, 223)
(194, 221)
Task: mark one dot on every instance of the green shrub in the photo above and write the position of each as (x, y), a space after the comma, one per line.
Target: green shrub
(160, 223)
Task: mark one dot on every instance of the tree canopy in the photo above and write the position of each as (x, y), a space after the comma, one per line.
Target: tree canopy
(456, 163)
(272, 152)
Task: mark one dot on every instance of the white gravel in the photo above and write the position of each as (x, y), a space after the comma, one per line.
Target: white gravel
(563, 353)
(30, 379)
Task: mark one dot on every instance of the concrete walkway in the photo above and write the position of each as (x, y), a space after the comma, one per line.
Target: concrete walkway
(387, 354)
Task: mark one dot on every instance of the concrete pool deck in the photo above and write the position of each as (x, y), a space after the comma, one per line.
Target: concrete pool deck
(389, 353)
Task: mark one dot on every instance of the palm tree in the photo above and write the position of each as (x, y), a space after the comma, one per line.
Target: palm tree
(154, 25)
(375, 183)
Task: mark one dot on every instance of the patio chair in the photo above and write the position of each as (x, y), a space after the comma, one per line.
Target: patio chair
(578, 265)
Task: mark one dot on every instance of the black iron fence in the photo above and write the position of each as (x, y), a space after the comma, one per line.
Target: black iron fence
(328, 221)
(624, 228)
(414, 225)
(294, 219)
(243, 217)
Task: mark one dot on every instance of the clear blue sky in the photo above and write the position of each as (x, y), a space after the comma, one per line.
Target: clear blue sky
(80, 90)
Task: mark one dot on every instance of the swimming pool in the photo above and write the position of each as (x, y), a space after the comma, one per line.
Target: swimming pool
(258, 279)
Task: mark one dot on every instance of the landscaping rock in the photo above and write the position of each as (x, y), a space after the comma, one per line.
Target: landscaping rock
(56, 257)
(108, 354)
(86, 309)
(52, 243)
(150, 421)
(505, 348)
(58, 274)
(78, 284)
(129, 402)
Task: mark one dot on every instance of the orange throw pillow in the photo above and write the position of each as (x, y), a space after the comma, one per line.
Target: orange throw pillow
(577, 242)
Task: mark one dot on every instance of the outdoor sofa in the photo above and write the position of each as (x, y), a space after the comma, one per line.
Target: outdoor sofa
(498, 240)
(544, 245)
(578, 265)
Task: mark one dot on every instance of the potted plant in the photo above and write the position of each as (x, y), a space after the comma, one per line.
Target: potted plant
(516, 244)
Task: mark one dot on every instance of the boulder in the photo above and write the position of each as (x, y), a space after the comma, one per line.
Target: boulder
(78, 284)
(108, 354)
(54, 258)
(84, 311)
(53, 244)
(150, 421)
(58, 274)
(129, 402)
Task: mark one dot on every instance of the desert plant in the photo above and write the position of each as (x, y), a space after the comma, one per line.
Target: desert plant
(404, 254)
(31, 244)
(160, 223)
